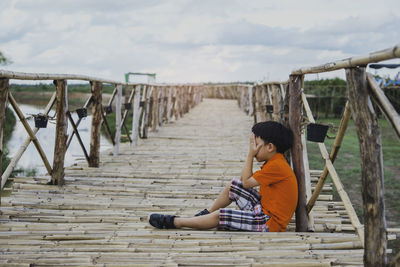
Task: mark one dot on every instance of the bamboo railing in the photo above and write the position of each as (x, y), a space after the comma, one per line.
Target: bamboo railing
(362, 89)
(153, 105)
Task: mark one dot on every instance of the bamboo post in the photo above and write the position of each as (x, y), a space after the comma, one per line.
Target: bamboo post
(126, 111)
(4, 88)
(307, 181)
(136, 115)
(118, 105)
(144, 92)
(154, 110)
(250, 100)
(254, 103)
(336, 180)
(30, 132)
(24, 146)
(262, 104)
(161, 106)
(193, 96)
(283, 91)
(147, 111)
(295, 120)
(240, 96)
(75, 130)
(175, 103)
(181, 94)
(270, 101)
(169, 104)
(369, 136)
(276, 102)
(186, 99)
(332, 155)
(60, 147)
(96, 124)
(183, 100)
(258, 104)
(384, 103)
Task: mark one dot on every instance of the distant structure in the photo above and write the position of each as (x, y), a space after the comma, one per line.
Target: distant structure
(151, 77)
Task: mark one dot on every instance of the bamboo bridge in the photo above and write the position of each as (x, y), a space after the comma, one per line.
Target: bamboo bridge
(183, 148)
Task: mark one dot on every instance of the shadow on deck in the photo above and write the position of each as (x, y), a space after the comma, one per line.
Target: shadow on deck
(100, 216)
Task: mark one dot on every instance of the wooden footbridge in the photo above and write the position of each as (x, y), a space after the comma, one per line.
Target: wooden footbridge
(95, 213)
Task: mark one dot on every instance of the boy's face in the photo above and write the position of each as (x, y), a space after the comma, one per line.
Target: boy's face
(266, 151)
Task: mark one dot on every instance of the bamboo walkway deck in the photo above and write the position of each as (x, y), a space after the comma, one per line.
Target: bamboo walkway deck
(100, 216)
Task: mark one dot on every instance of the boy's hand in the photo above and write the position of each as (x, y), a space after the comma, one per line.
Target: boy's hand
(254, 148)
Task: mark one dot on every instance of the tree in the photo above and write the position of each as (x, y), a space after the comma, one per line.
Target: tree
(3, 60)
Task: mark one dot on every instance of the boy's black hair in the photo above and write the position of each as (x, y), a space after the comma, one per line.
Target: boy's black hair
(275, 133)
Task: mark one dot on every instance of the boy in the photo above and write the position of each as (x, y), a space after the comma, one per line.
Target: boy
(270, 209)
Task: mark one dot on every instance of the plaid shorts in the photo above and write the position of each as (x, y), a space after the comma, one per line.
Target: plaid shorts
(250, 217)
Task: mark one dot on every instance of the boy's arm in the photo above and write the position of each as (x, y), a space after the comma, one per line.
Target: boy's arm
(247, 170)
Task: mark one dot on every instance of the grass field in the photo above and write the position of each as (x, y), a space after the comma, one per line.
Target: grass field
(49, 87)
(348, 166)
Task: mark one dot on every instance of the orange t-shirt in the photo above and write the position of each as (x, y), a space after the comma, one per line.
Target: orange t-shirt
(278, 190)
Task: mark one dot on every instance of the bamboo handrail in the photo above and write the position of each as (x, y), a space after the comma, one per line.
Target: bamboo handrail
(48, 76)
(334, 151)
(389, 53)
(336, 180)
(56, 76)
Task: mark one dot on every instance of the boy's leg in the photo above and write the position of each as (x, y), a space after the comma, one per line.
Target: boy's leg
(222, 200)
(201, 222)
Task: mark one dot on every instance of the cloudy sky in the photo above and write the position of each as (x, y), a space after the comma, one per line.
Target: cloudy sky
(192, 40)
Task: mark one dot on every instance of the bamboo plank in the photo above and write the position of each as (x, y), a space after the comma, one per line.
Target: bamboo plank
(100, 215)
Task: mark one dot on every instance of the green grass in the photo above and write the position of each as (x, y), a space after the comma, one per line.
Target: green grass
(49, 87)
(111, 122)
(348, 167)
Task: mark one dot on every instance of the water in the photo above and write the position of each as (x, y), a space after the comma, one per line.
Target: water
(46, 136)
